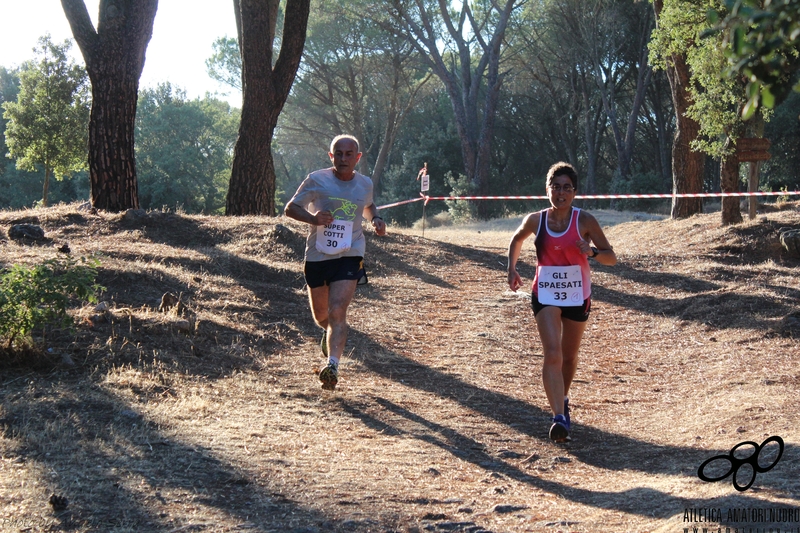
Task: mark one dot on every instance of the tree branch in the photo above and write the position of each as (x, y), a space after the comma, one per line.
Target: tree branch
(296, 18)
(82, 28)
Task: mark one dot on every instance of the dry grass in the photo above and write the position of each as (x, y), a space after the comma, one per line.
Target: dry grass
(495, 234)
(210, 419)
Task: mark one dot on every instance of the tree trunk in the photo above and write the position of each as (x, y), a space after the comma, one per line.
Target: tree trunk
(389, 135)
(687, 165)
(111, 123)
(729, 182)
(394, 118)
(114, 57)
(251, 190)
(752, 186)
(611, 76)
(591, 158)
(46, 187)
(592, 135)
(624, 141)
(482, 144)
(662, 124)
(484, 151)
(754, 128)
(470, 75)
(264, 92)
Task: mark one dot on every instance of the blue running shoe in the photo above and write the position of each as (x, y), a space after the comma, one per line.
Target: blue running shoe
(566, 414)
(559, 431)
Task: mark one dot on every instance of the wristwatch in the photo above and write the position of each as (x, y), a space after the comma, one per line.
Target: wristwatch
(595, 251)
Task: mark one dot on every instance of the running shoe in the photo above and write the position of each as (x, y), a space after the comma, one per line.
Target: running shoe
(323, 344)
(559, 431)
(329, 376)
(566, 414)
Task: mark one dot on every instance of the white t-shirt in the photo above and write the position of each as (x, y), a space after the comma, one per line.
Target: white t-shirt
(346, 200)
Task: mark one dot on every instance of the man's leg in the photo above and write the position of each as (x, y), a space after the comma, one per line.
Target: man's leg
(340, 294)
(318, 300)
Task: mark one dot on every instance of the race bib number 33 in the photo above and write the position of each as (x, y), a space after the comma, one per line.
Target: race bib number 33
(560, 286)
(336, 237)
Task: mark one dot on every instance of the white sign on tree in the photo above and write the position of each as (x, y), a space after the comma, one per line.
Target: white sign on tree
(425, 181)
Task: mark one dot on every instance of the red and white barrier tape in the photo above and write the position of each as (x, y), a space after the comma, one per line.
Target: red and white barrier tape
(426, 199)
(401, 203)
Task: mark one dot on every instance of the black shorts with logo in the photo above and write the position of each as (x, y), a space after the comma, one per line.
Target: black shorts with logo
(577, 313)
(319, 273)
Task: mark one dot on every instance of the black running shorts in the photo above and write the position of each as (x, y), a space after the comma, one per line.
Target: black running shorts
(577, 313)
(319, 273)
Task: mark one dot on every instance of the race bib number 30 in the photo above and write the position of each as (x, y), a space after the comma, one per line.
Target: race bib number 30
(560, 286)
(336, 237)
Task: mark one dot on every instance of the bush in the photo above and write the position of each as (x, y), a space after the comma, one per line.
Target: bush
(32, 298)
(442, 218)
(639, 183)
(460, 210)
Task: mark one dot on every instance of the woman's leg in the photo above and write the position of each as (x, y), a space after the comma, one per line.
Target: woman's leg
(571, 335)
(549, 324)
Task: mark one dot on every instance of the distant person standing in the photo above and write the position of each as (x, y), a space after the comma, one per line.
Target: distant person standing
(565, 238)
(334, 201)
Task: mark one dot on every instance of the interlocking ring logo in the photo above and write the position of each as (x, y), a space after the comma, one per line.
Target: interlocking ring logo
(736, 463)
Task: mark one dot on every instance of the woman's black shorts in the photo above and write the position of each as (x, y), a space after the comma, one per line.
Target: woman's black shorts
(577, 313)
(319, 273)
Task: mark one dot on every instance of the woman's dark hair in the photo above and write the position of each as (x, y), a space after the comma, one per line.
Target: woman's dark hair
(562, 169)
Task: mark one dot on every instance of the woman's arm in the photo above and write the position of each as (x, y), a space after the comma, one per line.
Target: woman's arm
(529, 226)
(593, 233)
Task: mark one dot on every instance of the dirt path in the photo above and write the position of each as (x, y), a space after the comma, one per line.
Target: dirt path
(439, 422)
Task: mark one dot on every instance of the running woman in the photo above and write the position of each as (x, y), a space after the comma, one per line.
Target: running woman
(566, 237)
(334, 201)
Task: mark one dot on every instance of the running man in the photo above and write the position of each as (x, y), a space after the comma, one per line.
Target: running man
(565, 238)
(334, 201)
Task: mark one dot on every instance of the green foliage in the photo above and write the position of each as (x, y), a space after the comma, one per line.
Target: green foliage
(184, 150)
(782, 170)
(574, 103)
(32, 298)
(21, 189)
(548, 110)
(225, 65)
(9, 84)
(48, 123)
(460, 210)
(9, 88)
(427, 137)
(645, 183)
(356, 77)
(680, 25)
(717, 100)
(763, 39)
